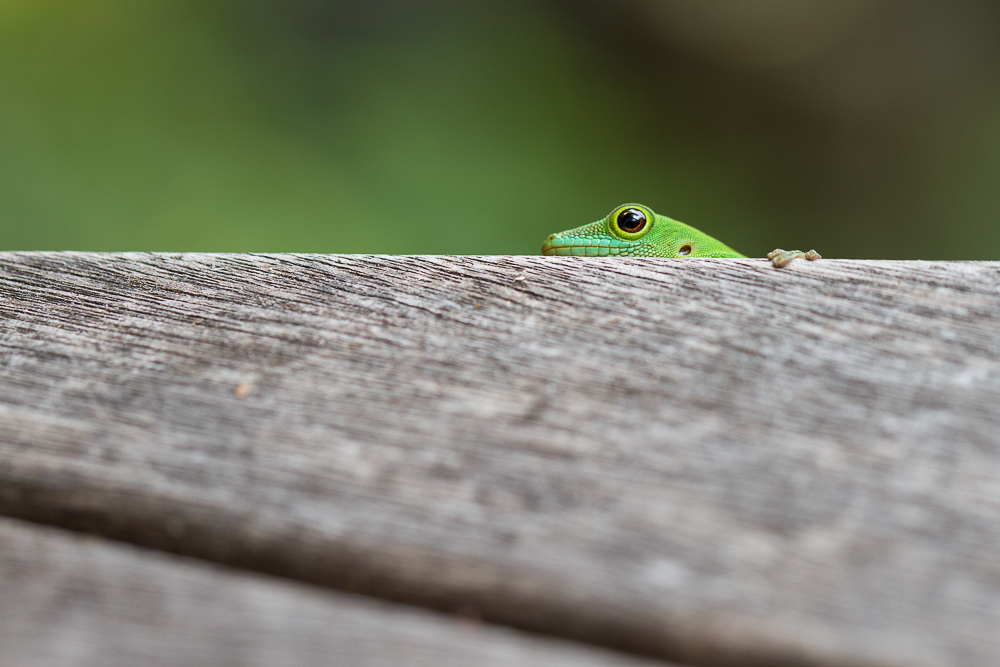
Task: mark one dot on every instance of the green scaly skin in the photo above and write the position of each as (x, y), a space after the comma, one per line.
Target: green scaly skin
(659, 236)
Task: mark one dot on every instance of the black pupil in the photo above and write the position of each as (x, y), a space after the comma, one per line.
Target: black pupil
(631, 220)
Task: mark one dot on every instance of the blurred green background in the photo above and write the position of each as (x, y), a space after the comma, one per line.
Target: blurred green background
(863, 129)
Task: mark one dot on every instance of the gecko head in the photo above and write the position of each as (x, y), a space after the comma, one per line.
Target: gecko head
(619, 234)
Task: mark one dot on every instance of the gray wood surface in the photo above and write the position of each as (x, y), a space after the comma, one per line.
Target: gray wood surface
(707, 460)
(67, 600)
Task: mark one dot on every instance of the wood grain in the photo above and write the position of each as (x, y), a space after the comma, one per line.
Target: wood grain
(67, 600)
(707, 460)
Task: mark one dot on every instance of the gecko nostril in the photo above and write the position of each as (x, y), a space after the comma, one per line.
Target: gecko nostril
(552, 237)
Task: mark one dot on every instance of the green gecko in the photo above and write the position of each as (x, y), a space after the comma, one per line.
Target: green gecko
(634, 230)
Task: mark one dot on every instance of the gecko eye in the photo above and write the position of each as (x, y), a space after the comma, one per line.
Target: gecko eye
(684, 250)
(631, 220)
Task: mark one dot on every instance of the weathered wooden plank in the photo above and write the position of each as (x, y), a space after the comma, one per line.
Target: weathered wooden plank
(69, 600)
(713, 461)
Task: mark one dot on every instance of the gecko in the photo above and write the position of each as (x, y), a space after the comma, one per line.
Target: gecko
(634, 230)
